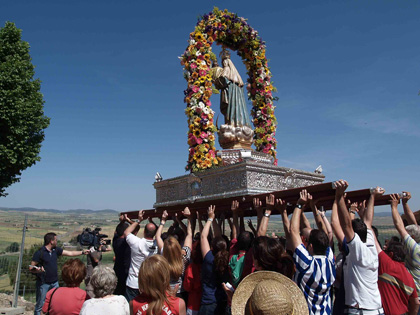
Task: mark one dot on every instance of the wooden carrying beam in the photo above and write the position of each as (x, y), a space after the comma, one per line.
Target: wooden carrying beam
(323, 193)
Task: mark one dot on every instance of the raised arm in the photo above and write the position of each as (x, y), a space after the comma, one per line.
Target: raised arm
(217, 230)
(328, 229)
(335, 223)
(281, 207)
(190, 231)
(398, 222)
(133, 224)
(343, 213)
(251, 226)
(205, 246)
(235, 224)
(369, 213)
(411, 219)
(159, 240)
(304, 222)
(181, 224)
(269, 201)
(317, 214)
(258, 207)
(295, 222)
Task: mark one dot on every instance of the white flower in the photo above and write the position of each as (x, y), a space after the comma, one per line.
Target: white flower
(203, 62)
(198, 53)
(202, 89)
(192, 41)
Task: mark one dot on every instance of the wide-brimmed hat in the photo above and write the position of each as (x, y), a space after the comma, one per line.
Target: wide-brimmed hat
(268, 293)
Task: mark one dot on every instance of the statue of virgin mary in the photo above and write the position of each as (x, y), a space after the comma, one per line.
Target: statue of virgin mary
(232, 100)
(237, 131)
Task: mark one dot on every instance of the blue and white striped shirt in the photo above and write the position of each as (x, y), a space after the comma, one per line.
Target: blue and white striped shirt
(315, 276)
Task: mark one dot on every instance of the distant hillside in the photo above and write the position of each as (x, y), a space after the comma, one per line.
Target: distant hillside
(71, 211)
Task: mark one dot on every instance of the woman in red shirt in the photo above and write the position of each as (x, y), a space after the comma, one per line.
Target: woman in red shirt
(154, 298)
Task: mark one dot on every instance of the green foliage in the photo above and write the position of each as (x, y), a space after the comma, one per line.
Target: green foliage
(4, 265)
(22, 120)
(14, 247)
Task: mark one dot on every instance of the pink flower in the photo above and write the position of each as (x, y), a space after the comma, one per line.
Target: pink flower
(195, 88)
(193, 66)
(199, 140)
(202, 73)
(212, 153)
(204, 135)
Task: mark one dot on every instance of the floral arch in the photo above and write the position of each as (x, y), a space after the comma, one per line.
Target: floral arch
(233, 32)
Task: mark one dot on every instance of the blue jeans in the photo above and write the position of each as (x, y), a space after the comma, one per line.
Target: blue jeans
(131, 293)
(207, 309)
(41, 293)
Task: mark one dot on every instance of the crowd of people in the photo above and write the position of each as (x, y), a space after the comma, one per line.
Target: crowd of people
(182, 271)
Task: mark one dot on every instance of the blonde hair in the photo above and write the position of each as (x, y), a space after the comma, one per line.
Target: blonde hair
(154, 282)
(173, 253)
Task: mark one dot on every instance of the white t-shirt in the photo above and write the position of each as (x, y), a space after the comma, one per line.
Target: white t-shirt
(361, 273)
(141, 248)
(114, 305)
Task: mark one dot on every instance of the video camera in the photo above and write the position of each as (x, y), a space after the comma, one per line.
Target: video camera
(93, 238)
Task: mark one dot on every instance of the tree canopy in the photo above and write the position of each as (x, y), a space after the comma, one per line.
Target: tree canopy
(22, 119)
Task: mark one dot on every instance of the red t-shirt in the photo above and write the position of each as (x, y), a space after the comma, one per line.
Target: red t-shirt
(192, 284)
(141, 304)
(396, 285)
(65, 301)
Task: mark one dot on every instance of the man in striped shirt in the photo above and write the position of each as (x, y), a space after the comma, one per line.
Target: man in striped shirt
(315, 267)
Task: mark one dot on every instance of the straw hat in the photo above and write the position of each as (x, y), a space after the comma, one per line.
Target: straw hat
(268, 293)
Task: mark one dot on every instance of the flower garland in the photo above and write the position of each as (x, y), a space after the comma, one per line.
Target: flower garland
(233, 32)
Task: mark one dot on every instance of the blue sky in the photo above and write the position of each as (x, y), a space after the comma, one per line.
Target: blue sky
(347, 74)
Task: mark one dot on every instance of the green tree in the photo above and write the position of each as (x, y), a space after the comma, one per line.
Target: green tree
(14, 247)
(22, 120)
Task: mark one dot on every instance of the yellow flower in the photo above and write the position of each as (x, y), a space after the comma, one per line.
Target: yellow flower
(215, 161)
(198, 36)
(207, 57)
(211, 137)
(197, 121)
(197, 132)
(202, 79)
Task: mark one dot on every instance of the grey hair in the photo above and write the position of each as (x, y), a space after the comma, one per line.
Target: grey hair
(414, 231)
(103, 281)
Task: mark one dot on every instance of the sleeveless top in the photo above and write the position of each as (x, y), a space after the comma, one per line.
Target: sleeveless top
(141, 304)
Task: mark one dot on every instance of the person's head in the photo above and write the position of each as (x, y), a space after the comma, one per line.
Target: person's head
(360, 228)
(267, 253)
(414, 231)
(154, 281)
(172, 253)
(395, 250)
(50, 239)
(221, 254)
(268, 293)
(150, 230)
(318, 242)
(304, 235)
(245, 240)
(73, 272)
(121, 227)
(103, 281)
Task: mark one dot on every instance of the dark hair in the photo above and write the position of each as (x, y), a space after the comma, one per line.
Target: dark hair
(196, 255)
(73, 272)
(150, 230)
(319, 241)
(121, 227)
(360, 228)
(245, 240)
(397, 249)
(268, 252)
(221, 254)
(395, 239)
(49, 237)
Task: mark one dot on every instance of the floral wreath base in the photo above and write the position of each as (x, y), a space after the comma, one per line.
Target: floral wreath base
(232, 32)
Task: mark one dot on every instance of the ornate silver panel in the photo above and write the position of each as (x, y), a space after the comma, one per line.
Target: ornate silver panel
(247, 177)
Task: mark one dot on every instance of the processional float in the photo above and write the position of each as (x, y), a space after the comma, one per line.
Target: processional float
(237, 172)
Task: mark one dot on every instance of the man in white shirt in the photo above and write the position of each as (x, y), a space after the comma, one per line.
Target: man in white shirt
(141, 248)
(361, 267)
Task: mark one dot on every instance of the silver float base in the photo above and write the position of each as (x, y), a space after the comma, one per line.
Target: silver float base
(243, 174)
